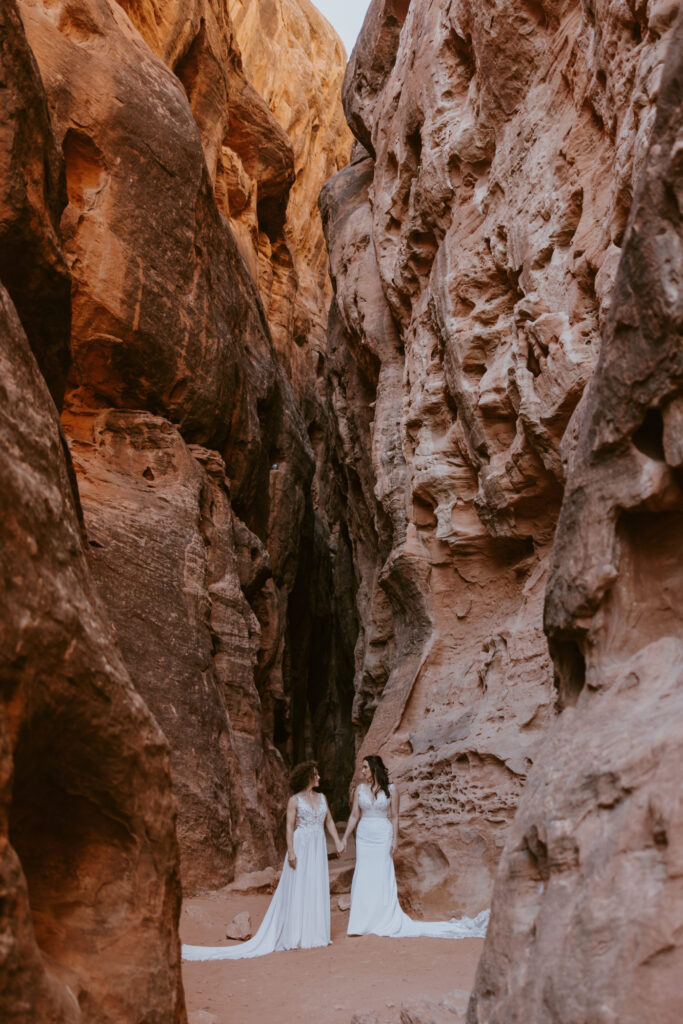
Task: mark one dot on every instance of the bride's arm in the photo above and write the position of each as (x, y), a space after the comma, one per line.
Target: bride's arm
(291, 821)
(353, 820)
(395, 802)
(334, 835)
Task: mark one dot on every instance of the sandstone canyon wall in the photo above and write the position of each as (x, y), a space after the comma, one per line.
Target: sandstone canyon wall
(238, 531)
(190, 444)
(589, 893)
(88, 853)
(167, 552)
(474, 241)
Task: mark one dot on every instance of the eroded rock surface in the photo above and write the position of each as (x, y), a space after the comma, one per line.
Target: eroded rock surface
(157, 514)
(192, 447)
(473, 244)
(295, 60)
(88, 853)
(32, 197)
(304, 99)
(589, 891)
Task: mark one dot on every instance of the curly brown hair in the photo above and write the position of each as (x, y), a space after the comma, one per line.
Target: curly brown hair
(301, 775)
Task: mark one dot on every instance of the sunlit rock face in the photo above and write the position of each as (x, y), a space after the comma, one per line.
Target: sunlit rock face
(296, 61)
(227, 578)
(473, 244)
(588, 894)
(166, 318)
(88, 853)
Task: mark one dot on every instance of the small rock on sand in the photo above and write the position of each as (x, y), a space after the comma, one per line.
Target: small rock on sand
(202, 1017)
(447, 1010)
(240, 926)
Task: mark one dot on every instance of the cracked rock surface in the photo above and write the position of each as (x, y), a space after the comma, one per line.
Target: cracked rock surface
(474, 240)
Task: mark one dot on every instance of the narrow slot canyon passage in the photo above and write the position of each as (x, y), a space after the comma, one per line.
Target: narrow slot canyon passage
(341, 414)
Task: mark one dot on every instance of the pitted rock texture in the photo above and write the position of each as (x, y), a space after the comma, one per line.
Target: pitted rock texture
(589, 891)
(473, 261)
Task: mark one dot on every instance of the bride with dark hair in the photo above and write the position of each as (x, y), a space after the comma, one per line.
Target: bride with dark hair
(374, 897)
(299, 913)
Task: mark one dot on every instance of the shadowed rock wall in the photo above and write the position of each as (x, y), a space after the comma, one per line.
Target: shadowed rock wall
(88, 853)
(193, 451)
(296, 62)
(175, 550)
(473, 243)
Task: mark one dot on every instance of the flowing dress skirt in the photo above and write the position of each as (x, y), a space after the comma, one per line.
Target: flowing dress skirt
(299, 913)
(374, 898)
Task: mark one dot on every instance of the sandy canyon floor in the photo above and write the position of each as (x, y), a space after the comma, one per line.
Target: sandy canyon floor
(364, 975)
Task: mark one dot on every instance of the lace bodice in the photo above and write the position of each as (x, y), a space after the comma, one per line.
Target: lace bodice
(373, 806)
(307, 816)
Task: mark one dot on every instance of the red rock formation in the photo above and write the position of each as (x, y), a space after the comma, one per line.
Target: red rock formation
(588, 905)
(171, 561)
(166, 318)
(32, 265)
(215, 621)
(473, 261)
(292, 269)
(88, 854)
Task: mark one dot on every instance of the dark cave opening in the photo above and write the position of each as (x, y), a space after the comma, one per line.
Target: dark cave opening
(319, 659)
(570, 669)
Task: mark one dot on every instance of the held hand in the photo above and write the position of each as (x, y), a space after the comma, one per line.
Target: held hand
(340, 847)
(291, 857)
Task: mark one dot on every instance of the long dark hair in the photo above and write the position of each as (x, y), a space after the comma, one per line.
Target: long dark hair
(301, 775)
(380, 775)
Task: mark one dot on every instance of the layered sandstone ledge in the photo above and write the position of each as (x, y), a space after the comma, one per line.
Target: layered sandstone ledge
(474, 241)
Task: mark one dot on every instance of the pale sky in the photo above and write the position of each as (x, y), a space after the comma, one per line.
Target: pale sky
(346, 16)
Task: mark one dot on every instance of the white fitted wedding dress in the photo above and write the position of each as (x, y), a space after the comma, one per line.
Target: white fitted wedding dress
(374, 899)
(299, 913)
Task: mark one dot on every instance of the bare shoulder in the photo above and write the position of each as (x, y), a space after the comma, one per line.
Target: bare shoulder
(293, 800)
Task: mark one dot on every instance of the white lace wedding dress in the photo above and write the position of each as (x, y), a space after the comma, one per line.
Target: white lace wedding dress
(299, 913)
(374, 898)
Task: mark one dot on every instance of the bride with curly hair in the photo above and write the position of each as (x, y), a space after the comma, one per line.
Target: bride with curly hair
(299, 913)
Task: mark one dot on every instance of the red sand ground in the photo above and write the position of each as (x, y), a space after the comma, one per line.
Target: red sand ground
(317, 986)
